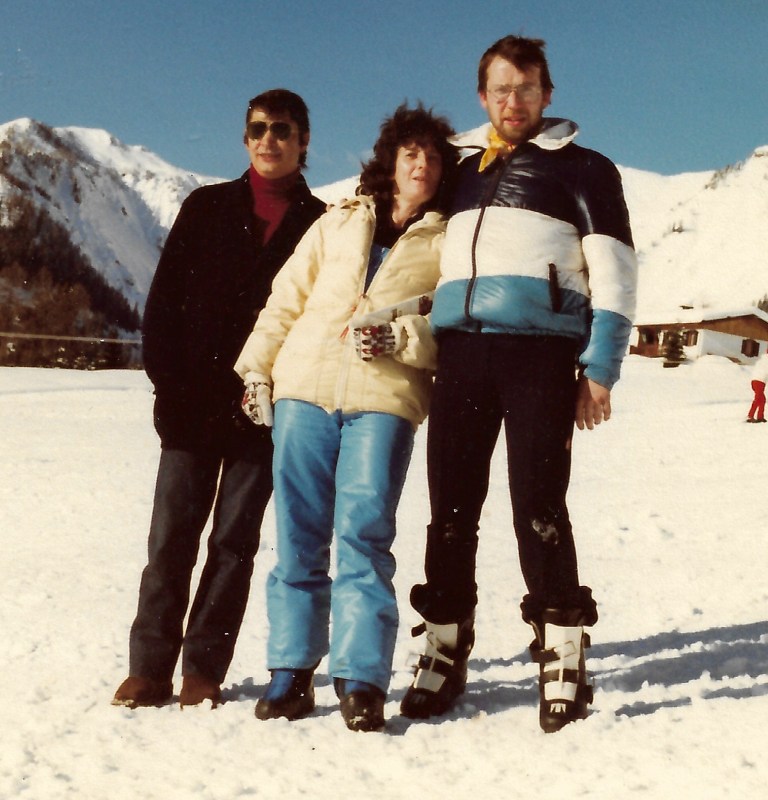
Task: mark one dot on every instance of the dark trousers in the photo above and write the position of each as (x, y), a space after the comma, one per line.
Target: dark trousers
(189, 485)
(529, 383)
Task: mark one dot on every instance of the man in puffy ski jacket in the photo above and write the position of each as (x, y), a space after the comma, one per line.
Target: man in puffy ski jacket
(214, 276)
(532, 314)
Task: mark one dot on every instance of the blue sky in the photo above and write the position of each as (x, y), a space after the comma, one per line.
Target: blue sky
(664, 85)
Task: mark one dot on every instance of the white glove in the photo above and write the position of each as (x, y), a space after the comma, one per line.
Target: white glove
(372, 341)
(257, 400)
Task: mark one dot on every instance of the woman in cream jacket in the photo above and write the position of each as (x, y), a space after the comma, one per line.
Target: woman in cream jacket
(349, 394)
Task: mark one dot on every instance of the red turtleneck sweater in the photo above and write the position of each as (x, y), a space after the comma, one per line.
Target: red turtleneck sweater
(271, 199)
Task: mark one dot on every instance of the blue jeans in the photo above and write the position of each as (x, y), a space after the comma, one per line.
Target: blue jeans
(343, 473)
(189, 485)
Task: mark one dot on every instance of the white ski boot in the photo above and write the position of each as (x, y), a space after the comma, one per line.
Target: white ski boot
(441, 672)
(564, 692)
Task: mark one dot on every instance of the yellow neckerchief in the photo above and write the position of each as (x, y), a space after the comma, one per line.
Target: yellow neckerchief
(496, 147)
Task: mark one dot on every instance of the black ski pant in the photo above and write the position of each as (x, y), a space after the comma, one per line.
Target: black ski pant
(189, 485)
(529, 383)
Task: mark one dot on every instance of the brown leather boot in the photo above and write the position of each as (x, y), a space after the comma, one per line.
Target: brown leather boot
(195, 689)
(136, 691)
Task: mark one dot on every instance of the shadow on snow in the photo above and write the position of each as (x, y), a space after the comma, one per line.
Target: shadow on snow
(673, 668)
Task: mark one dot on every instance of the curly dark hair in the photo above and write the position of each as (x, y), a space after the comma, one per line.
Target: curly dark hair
(409, 125)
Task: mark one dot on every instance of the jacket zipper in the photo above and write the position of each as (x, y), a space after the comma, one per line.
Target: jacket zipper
(349, 354)
(364, 293)
(489, 195)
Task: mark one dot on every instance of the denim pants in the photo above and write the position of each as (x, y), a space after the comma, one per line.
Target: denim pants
(342, 473)
(188, 486)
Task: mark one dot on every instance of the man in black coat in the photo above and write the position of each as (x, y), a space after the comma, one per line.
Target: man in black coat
(214, 276)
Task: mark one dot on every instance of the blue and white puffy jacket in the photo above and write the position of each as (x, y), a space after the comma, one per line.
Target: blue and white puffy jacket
(540, 244)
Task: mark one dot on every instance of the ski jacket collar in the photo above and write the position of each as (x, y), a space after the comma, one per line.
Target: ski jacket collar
(366, 203)
(555, 133)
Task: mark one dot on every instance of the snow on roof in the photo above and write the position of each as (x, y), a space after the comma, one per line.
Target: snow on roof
(694, 315)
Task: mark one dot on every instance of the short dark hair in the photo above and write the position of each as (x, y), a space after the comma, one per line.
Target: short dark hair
(282, 101)
(422, 127)
(523, 53)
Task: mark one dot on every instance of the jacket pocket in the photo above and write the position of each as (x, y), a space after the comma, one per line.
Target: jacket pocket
(555, 296)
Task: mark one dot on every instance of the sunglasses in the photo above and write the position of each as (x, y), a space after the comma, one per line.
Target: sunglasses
(280, 130)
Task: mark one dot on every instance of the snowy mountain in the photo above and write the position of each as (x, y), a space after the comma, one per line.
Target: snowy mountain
(117, 201)
(701, 236)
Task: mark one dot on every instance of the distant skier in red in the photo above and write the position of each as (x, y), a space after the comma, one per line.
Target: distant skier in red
(759, 379)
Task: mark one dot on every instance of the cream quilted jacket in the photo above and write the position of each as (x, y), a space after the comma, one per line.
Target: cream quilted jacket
(300, 342)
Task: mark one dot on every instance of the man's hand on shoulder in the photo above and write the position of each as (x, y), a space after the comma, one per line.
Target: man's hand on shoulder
(593, 404)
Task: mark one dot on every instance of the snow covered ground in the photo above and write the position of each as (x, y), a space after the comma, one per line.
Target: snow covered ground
(669, 505)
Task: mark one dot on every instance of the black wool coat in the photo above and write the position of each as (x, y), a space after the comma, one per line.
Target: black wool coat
(212, 280)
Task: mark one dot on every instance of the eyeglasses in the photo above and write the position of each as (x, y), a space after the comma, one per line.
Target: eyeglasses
(280, 130)
(526, 92)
